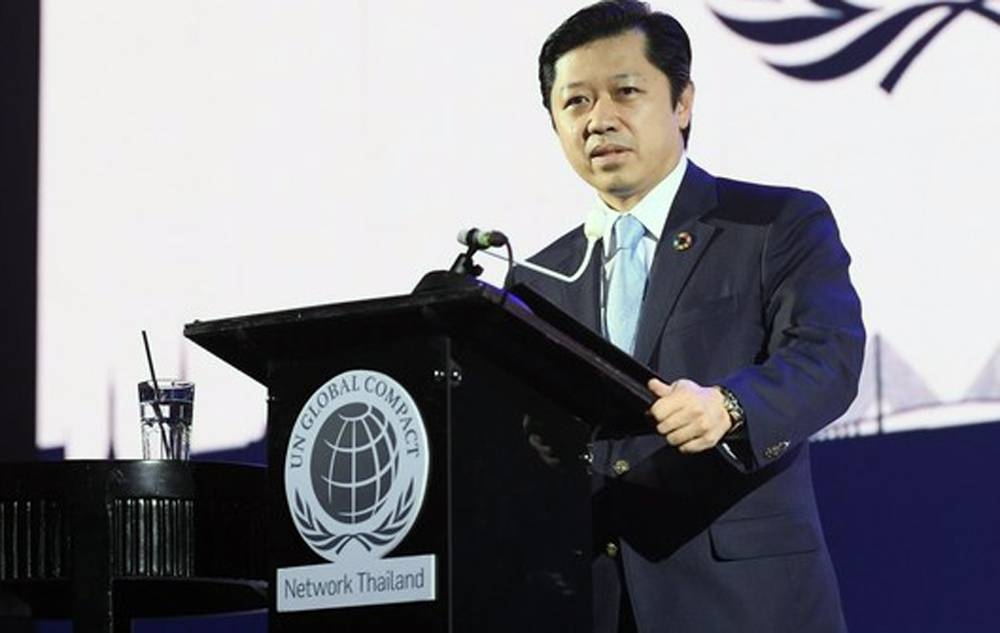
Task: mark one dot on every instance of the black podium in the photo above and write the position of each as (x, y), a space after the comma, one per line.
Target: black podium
(506, 514)
(103, 542)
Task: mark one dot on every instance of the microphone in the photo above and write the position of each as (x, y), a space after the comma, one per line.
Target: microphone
(481, 239)
(593, 229)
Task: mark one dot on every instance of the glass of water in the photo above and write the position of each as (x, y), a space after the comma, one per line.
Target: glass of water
(166, 411)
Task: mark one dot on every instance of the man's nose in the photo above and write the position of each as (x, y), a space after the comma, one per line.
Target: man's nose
(603, 117)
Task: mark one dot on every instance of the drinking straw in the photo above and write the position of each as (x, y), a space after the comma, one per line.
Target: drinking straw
(156, 395)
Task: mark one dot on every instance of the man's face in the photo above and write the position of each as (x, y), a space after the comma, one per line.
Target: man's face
(612, 111)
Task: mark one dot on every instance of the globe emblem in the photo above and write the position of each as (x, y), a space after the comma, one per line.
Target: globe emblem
(354, 463)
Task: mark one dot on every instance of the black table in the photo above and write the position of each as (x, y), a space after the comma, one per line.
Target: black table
(103, 542)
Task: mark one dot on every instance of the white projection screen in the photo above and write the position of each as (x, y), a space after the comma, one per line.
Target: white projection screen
(210, 158)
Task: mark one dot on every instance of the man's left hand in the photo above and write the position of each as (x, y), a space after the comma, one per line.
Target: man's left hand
(690, 417)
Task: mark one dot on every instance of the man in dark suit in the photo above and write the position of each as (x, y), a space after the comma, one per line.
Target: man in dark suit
(738, 296)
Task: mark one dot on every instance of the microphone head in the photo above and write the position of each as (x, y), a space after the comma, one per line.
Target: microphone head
(465, 236)
(481, 239)
(594, 226)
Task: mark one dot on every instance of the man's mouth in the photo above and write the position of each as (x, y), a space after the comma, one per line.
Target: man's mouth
(607, 150)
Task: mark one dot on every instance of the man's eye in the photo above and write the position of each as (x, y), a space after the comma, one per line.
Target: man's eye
(628, 91)
(575, 101)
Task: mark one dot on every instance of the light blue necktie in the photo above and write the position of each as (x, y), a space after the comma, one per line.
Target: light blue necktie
(627, 283)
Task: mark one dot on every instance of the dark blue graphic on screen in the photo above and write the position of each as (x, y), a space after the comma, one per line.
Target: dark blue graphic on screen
(852, 55)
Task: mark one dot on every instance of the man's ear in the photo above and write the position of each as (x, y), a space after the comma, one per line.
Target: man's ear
(685, 105)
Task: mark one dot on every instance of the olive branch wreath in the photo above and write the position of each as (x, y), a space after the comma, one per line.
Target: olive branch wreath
(320, 537)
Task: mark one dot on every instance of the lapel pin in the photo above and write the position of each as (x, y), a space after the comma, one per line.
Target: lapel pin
(683, 241)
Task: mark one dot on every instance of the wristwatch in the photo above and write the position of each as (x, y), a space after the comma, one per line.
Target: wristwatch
(733, 408)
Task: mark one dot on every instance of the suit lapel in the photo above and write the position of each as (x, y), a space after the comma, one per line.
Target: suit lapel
(581, 299)
(672, 267)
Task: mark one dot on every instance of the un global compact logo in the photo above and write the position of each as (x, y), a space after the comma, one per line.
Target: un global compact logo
(356, 467)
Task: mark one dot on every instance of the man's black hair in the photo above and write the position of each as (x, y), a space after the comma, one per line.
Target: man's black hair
(667, 44)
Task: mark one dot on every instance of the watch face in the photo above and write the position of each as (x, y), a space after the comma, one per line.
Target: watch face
(732, 406)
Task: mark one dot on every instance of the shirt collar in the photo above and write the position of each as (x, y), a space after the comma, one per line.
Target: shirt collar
(652, 210)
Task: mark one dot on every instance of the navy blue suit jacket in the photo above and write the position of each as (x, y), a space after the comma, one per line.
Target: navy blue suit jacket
(761, 303)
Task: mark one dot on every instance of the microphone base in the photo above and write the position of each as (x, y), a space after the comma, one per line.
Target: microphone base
(445, 280)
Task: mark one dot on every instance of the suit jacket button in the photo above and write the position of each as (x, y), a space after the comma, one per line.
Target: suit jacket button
(621, 467)
(611, 549)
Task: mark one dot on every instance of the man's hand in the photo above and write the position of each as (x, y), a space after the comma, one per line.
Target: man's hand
(689, 416)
